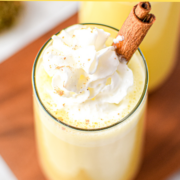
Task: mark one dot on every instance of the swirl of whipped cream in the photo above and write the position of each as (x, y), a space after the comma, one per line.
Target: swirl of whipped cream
(84, 70)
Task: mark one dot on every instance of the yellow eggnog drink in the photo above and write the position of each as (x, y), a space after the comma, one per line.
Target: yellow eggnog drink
(89, 106)
(159, 46)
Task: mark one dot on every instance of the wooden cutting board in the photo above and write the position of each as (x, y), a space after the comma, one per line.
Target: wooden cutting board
(161, 155)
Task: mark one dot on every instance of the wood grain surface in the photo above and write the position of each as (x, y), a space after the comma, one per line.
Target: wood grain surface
(161, 155)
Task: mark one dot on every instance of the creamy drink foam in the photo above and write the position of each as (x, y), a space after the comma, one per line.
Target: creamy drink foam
(82, 83)
(85, 79)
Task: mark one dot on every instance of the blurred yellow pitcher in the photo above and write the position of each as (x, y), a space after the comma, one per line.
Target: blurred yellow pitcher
(159, 46)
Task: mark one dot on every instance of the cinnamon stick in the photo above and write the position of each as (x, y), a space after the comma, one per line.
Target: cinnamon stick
(142, 10)
(134, 30)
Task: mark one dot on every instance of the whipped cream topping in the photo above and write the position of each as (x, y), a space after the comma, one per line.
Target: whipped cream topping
(88, 80)
(118, 38)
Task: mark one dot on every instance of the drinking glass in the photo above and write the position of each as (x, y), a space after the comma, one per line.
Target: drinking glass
(70, 153)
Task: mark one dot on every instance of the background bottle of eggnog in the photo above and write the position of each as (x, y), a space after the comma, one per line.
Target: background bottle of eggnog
(160, 45)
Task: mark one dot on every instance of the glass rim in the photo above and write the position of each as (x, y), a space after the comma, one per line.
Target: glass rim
(83, 129)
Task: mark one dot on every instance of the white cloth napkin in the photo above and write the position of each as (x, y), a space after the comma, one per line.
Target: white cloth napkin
(36, 19)
(5, 172)
(175, 176)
